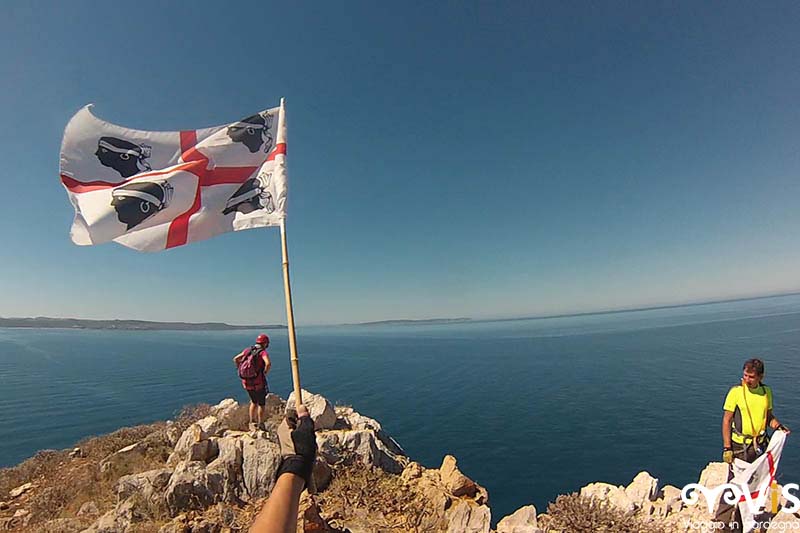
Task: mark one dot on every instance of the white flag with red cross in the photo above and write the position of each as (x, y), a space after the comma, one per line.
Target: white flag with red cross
(154, 190)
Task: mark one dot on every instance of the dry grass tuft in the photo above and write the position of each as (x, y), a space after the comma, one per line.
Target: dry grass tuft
(29, 470)
(372, 498)
(100, 447)
(63, 483)
(577, 514)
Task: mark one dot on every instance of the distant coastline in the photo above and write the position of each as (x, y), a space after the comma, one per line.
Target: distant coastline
(420, 322)
(128, 325)
(146, 325)
(637, 309)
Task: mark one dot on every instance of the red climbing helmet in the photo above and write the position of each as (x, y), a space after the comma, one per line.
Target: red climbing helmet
(262, 339)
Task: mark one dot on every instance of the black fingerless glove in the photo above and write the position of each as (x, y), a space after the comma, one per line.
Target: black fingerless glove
(298, 447)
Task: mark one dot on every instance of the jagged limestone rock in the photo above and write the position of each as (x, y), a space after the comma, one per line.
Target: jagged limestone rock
(231, 415)
(319, 408)
(468, 517)
(523, 520)
(88, 509)
(224, 406)
(351, 419)
(122, 455)
(642, 490)
(195, 444)
(260, 461)
(228, 465)
(118, 520)
(22, 489)
(150, 485)
(339, 445)
(191, 487)
(613, 495)
(209, 425)
(454, 481)
(713, 475)
(412, 471)
(671, 500)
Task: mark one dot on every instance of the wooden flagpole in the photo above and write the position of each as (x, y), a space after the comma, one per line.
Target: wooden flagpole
(287, 287)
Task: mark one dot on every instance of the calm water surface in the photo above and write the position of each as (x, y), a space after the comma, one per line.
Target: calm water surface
(531, 408)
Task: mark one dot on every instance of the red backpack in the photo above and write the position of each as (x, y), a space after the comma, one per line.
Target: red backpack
(252, 365)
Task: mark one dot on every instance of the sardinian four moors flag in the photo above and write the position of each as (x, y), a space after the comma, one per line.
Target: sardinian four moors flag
(153, 190)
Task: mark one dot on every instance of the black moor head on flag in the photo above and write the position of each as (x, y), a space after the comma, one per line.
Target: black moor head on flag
(253, 132)
(251, 196)
(123, 156)
(138, 201)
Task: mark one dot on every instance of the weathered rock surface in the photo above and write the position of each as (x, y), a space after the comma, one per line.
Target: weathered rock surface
(670, 501)
(260, 461)
(195, 444)
(615, 496)
(319, 408)
(454, 501)
(642, 490)
(88, 509)
(22, 489)
(191, 487)
(228, 466)
(340, 445)
(468, 517)
(350, 419)
(714, 474)
(523, 520)
(216, 466)
(454, 481)
(118, 520)
(150, 485)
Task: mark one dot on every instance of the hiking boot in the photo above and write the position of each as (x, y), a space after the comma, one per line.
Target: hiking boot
(252, 426)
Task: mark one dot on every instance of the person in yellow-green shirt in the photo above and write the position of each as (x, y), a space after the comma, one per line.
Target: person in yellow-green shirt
(747, 415)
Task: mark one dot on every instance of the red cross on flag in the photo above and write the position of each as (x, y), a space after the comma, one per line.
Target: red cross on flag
(153, 190)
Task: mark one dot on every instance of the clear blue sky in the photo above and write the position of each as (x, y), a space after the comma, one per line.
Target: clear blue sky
(476, 159)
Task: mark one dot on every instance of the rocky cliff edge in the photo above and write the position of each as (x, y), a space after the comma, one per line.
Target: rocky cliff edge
(205, 473)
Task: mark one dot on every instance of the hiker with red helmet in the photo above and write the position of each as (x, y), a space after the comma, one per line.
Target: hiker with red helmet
(253, 364)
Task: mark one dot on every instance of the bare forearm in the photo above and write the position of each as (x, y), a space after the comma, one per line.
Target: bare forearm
(726, 431)
(279, 514)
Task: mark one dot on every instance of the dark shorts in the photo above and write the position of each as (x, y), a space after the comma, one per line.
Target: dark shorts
(258, 397)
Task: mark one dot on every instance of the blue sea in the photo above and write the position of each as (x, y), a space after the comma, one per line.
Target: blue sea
(531, 408)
